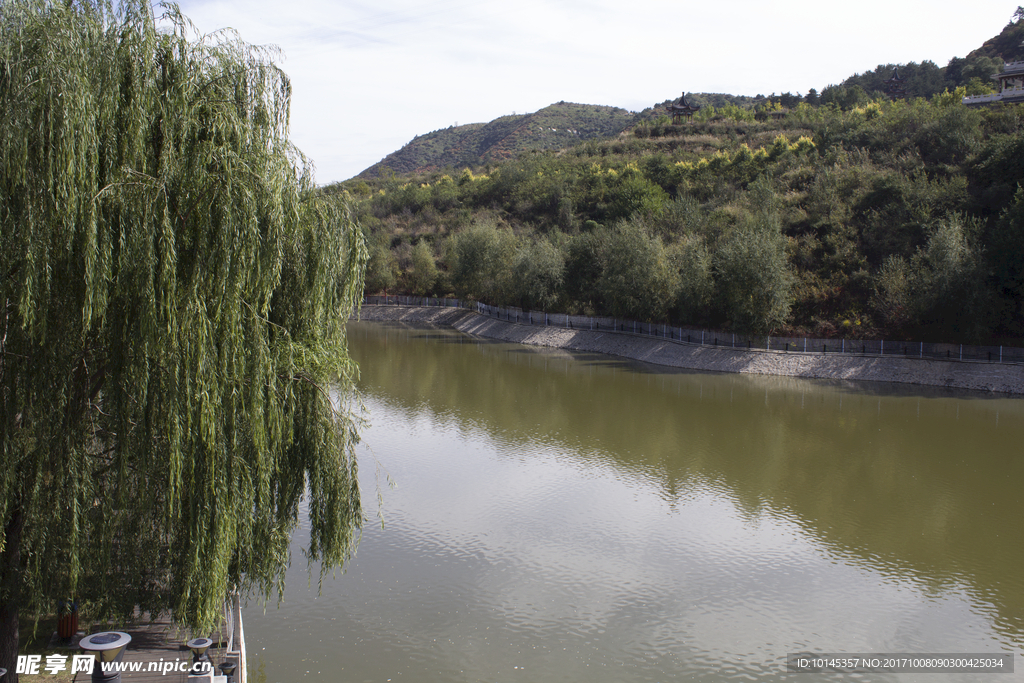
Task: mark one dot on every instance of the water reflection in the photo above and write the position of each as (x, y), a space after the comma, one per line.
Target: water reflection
(572, 517)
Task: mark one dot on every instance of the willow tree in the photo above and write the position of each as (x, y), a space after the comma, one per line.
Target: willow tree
(173, 291)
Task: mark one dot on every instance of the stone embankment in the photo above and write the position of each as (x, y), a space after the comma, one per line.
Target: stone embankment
(995, 377)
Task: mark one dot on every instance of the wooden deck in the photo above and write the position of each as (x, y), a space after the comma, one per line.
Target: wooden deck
(160, 651)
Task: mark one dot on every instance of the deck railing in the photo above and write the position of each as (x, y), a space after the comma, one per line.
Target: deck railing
(236, 636)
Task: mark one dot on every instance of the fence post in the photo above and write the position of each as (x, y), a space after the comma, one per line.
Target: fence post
(961, 352)
(1000, 354)
(922, 351)
(881, 349)
(702, 337)
(768, 344)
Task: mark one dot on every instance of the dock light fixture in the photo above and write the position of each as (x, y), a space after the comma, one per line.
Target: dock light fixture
(199, 646)
(228, 667)
(106, 646)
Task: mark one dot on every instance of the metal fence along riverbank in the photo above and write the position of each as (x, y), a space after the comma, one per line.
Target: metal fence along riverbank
(809, 345)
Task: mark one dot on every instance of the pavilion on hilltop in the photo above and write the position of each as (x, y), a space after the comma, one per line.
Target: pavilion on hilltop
(682, 108)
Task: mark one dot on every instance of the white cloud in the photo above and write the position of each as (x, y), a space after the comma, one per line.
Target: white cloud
(368, 77)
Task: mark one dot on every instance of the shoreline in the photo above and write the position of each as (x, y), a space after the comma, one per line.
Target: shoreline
(975, 376)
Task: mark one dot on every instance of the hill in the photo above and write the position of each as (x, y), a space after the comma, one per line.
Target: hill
(848, 214)
(553, 127)
(1008, 46)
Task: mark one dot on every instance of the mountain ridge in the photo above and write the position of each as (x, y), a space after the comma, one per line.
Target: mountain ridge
(556, 126)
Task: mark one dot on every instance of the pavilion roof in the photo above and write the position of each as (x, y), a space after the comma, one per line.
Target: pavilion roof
(683, 105)
(1012, 69)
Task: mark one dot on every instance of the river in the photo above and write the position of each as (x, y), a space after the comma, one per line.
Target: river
(538, 515)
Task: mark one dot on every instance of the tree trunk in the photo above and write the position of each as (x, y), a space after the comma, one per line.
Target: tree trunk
(9, 641)
(10, 589)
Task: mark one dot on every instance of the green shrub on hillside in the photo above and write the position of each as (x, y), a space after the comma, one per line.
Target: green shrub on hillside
(423, 274)
(637, 279)
(537, 275)
(754, 281)
(480, 263)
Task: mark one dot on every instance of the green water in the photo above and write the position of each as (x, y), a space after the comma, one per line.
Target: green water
(574, 517)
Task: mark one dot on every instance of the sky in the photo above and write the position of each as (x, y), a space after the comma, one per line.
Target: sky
(368, 77)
